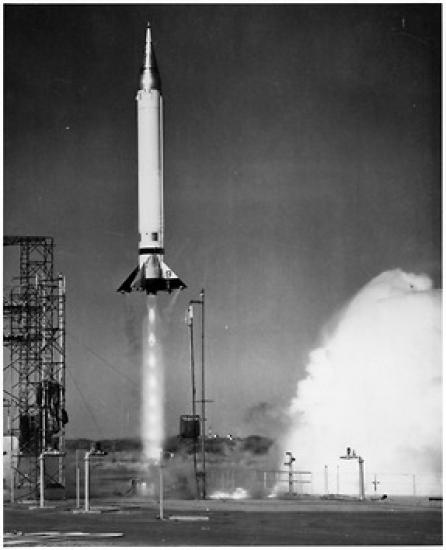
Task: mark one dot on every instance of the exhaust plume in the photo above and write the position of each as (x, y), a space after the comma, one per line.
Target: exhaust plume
(152, 397)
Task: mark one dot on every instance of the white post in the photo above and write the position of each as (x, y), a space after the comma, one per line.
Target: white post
(326, 478)
(78, 480)
(87, 482)
(12, 479)
(8, 425)
(161, 487)
(361, 478)
(42, 480)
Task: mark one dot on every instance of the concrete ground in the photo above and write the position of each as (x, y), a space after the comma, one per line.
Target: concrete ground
(134, 522)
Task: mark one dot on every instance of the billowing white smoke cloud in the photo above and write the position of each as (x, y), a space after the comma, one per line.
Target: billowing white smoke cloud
(375, 385)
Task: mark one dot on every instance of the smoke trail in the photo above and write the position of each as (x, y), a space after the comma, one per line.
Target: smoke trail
(375, 385)
(152, 396)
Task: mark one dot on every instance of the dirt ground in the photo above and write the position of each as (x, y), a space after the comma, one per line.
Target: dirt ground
(134, 522)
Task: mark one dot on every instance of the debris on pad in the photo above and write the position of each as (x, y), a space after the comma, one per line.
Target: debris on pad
(189, 518)
(21, 538)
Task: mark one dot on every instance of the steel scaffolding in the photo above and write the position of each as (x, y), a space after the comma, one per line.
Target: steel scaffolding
(34, 378)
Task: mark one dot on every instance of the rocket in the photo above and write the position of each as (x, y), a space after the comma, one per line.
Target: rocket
(151, 275)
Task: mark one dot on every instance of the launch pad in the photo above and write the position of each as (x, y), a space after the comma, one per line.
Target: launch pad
(249, 522)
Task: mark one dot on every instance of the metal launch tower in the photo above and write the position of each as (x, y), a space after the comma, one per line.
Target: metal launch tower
(34, 377)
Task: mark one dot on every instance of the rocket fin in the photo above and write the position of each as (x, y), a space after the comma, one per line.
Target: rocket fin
(172, 280)
(168, 274)
(166, 281)
(128, 283)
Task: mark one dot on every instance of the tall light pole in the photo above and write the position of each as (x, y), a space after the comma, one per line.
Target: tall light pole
(203, 396)
(190, 324)
(203, 392)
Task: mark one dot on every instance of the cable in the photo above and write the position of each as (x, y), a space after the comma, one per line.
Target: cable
(85, 403)
(106, 363)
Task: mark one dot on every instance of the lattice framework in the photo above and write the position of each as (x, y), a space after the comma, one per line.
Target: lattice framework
(34, 378)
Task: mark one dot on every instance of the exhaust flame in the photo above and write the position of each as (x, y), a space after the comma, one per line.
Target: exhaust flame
(152, 421)
(238, 494)
(375, 385)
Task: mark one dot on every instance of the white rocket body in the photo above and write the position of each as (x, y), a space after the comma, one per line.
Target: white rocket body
(152, 274)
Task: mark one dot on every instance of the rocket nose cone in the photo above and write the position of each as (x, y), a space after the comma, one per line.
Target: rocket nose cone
(148, 35)
(150, 78)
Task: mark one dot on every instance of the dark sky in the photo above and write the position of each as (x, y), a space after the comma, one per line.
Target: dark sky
(302, 158)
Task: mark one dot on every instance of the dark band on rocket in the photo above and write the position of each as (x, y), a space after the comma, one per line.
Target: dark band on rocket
(151, 251)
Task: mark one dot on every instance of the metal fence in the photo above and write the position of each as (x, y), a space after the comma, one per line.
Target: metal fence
(263, 483)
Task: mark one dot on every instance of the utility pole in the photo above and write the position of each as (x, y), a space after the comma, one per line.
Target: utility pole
(203, 393)
(190, 324)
